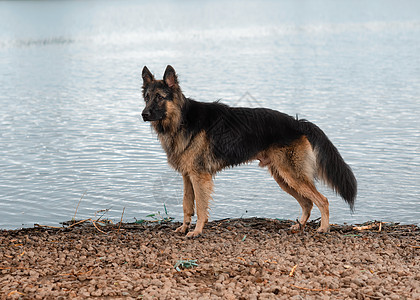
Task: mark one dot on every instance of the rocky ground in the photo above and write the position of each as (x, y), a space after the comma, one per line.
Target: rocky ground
(234, 259)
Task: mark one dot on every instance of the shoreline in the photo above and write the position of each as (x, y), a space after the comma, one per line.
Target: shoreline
(252, 258)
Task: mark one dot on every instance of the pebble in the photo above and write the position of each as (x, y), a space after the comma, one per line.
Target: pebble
(139, 264)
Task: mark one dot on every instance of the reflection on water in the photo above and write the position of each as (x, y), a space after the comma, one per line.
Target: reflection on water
(70, 97)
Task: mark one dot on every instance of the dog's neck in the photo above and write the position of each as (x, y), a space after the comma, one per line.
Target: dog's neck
(171, 134)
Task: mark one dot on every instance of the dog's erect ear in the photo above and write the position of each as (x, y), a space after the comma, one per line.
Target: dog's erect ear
(147, 76)
(170, 77)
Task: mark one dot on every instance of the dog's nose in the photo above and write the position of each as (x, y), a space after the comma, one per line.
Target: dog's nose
(146, 115)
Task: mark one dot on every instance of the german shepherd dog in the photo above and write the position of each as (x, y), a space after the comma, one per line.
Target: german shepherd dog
(201, 139)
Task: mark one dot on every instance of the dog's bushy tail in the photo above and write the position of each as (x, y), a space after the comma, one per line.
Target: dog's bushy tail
(331, 167)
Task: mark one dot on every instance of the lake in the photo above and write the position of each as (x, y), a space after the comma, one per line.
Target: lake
(70, 82)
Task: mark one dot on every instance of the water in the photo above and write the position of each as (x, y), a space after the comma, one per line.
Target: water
(70, 101)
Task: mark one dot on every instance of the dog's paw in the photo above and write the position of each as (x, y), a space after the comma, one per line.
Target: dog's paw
(296, 228)
(323, 230)
(193, 234)
(182, 229)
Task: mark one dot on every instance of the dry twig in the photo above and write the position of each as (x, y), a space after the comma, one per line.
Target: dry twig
(292, 272)
(77, 207)
(46, 226)
(14, 292)
(370, 226)
(94, 224)
(121, 219)
(79, 222)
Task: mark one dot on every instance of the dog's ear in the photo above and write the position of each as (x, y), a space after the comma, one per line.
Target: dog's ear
(147, 76)
(170, 77)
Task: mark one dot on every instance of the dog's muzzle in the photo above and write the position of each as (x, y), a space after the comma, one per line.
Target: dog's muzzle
(146, 116)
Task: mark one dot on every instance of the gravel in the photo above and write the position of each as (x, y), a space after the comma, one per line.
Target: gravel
(234, 259)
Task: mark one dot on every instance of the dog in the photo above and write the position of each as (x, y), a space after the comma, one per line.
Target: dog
(200, 139)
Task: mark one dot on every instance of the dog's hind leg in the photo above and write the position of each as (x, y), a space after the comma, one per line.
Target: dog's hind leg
(305, 192)
(304, 202)
(203, 187)
(295, 166)
(187, 203)
(308, 190)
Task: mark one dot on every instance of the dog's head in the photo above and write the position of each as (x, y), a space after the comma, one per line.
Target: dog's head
(162, 97)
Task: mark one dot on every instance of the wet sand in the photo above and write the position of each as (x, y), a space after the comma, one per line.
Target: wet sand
(234, 259)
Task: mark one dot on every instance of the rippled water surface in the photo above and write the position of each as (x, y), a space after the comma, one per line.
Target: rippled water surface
(70, 101)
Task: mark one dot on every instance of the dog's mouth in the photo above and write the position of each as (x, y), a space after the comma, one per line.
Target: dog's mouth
(148, 118)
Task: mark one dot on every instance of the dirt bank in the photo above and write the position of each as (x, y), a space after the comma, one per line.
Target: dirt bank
(234, 259)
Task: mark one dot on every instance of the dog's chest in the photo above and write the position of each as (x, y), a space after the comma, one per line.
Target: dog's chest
(174, 145)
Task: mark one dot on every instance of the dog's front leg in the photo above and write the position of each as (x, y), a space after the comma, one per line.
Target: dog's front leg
(187, 203)
(203, 187)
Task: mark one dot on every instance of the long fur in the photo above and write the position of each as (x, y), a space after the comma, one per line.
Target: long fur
(331, 166)
(238, 134)
(200, 139)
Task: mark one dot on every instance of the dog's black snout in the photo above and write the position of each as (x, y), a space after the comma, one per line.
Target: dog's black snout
(146, 115)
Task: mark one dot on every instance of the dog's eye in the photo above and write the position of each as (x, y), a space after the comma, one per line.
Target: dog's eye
(146, 96)
(159, 97)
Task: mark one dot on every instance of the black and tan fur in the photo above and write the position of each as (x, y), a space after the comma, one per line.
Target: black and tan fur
(201, 139)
